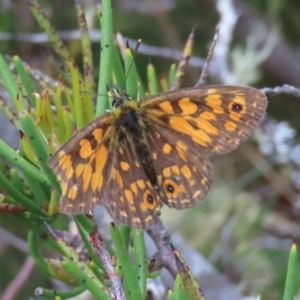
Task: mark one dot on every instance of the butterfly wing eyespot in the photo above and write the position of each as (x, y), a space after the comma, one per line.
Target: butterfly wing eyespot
(130, 197)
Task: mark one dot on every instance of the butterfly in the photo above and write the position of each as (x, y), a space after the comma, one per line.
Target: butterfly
(147, 153)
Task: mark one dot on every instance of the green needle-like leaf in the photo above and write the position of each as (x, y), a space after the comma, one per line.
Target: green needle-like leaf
(289, 291)
(105, 62)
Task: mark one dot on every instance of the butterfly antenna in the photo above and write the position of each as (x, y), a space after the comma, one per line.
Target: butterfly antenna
(90, 93)
(204, 72)
(96, 94)
(115, 93)
(137, 46)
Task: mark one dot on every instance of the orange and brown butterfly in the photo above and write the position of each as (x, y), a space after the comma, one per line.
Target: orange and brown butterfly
(147, 153)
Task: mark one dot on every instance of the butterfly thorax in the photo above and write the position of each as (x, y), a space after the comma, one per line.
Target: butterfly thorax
(131, 126)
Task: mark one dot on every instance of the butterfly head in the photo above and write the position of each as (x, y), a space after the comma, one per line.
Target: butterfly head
(118, 97)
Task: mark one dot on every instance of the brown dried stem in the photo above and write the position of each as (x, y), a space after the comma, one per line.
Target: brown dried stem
(162, 239)
(102, 252)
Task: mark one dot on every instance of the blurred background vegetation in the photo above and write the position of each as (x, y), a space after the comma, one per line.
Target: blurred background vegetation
(246, 225)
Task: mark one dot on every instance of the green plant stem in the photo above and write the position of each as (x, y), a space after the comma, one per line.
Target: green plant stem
(172, 74)
(131, 75)
(63, 294)
(134, 85)
(23, 164)
(76, 96)
(68, 124)
(39, 146)
(10, 84)
(36, 189)
(96, 270)
(33, 249)
(52, 203)
(10, 113)
(89, 246)
(48, 113)
(87, 62)
(171, 295)
(131, 285)
(19, 198)
(180, 292)
(152, 79)
(53, 36)
(86, 224)
(78, 268)
(125, 233)
(26, 167)
(89, 281)
(289, 291)
(140, 256)
(190, 283)
(70, 102)
(105, 62)
(27, 82)
(85, 39)
(117, 67)
(16, 180)
(60, 128)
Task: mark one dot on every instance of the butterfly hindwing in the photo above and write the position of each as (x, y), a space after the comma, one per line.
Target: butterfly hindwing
(130, 197)
(184, 175)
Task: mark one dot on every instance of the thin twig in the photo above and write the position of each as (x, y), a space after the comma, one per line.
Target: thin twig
(162, 239)
(184, 61)
(205, 69)
(285, 89)
(95, 35)
(23, 275)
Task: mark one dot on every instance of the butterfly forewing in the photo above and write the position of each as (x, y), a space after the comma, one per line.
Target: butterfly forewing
(82, 166)
(216, 118)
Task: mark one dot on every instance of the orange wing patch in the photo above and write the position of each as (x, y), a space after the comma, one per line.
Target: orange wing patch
(187, 107)
(214, 101)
